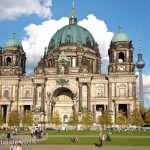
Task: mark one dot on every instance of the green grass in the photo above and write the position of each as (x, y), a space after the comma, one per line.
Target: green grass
(90, 132)
(94, 141)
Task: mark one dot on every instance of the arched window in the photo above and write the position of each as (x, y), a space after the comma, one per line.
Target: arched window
(121, 57)
(8, 61)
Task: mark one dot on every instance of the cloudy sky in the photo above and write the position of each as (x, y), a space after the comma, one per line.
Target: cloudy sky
(35, 21)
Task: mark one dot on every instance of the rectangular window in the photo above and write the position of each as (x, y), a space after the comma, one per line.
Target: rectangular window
(27, 94)
(121, 92)
(6, 93)
(73, 62)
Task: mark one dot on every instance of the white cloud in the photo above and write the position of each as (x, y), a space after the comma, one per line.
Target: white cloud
(16, 8)
(146, 88)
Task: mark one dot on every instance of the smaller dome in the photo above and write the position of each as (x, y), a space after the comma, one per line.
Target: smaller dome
(13, 42)
(120, 37)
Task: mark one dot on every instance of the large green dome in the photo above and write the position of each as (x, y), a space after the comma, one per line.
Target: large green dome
(12, 42)
(120, 37)
(72, 34)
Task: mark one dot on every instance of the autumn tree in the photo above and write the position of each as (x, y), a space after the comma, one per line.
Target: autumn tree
(73, 121)
(14, 118)
(87, 119)
(147, 117)
(121, 119)
(1, 119)
(143, 112)
(136, 118)
(105, 119)
(56, 120)
(27, 119)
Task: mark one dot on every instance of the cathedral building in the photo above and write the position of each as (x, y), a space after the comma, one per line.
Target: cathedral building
(68, 77)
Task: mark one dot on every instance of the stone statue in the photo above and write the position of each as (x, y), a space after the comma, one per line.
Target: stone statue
(62, 70)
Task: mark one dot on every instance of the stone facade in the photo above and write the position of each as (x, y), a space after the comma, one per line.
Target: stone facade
(68, 79)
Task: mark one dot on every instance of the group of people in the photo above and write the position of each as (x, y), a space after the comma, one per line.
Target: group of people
(103, 138)
(37, 133)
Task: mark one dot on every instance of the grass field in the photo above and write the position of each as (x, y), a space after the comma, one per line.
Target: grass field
(94, 141)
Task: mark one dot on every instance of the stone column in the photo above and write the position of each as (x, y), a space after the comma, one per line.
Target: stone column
(80, 97)
(0, 90)
(128, 113)
(42, 98)
(17, 94)
(31, 108)
(115, 90)
(34, 96)
(134, 90)
(128, 89)
(110, 97)
(89, 96)
(94, 113)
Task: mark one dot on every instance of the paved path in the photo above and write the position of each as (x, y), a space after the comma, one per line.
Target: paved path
(74, 147)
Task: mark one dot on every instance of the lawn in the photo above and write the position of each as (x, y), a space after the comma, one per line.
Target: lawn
(92, 132)
(94, 141)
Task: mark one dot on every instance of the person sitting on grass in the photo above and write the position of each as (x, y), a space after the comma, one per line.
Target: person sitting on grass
(108, 137)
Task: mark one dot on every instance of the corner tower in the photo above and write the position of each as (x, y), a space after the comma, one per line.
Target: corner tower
(121, 54)
(12, 58)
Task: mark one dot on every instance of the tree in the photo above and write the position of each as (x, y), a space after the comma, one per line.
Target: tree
(56, 120)
(105, 119)
(1, 119)
(14, 118)
(121, 119)
(27, 119)
(147, 117)
(73, 121)
(136, 118)
(143, 112)
(86, 119)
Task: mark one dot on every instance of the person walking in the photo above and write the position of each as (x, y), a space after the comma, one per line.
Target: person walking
(8, 136)
(100, 139)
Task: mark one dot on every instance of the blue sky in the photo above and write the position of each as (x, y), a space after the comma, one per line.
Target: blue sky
(32, 20)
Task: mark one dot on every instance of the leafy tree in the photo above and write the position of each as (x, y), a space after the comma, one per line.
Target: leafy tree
(143, 112)
(1, 119)
(147, 117)
(121, 119)
(14, 118)
(105, 119)
(56, 120)
(136, 118)
(87, 119)
(73, 121)
(27, 119)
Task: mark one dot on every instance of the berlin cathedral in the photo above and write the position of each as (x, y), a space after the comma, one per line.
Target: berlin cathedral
(68, 77)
